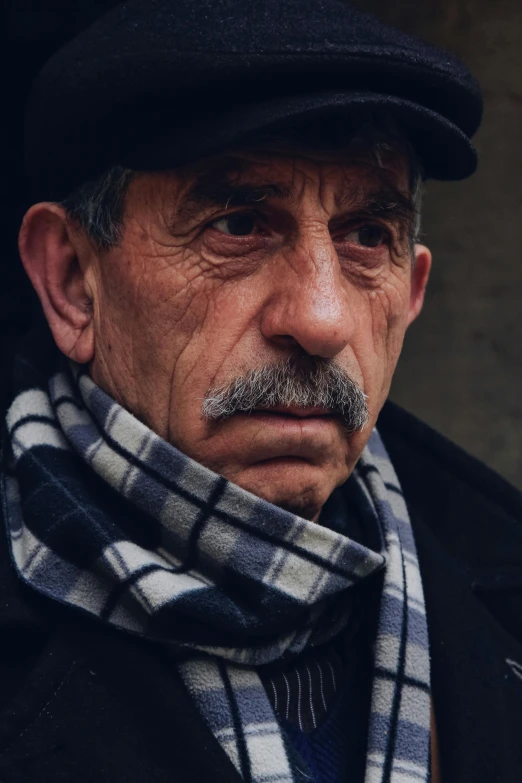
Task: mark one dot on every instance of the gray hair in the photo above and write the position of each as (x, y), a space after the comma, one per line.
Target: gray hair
(301, 381)
(98, 205)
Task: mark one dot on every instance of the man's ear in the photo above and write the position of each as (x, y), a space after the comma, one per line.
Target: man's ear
(49, 255)
(419, 280)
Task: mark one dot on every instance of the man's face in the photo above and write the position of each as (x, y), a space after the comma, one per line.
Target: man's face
(247, 262)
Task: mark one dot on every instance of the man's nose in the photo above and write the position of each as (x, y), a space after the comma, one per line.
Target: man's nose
(309, 300)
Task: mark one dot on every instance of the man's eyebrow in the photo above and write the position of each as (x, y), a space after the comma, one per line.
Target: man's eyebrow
(223, 190)
(210, 191)
(388, 203)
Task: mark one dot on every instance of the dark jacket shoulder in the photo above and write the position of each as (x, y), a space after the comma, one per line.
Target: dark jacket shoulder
(474, 513)
(467, 523)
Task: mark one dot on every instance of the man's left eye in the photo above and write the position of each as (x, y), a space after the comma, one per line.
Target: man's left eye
(240, 224)
(367, 236)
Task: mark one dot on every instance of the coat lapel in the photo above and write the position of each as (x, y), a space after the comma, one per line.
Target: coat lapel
(467, 525)
(477, 694)
(104, 706)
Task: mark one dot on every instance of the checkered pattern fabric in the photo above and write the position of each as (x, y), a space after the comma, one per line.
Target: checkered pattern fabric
(106, 516)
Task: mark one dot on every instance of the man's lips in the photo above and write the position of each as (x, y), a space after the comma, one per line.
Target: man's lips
(287, 432)
(293, 410)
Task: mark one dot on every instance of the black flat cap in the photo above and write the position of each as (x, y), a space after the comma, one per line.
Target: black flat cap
(158, 83)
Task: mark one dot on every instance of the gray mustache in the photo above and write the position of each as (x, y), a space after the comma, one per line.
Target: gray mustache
(301, 381)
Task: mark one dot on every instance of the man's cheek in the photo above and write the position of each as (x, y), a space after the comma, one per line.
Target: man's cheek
(176, 333)
(163, 286)
(187, 309)
(378, 337)
(389, 308)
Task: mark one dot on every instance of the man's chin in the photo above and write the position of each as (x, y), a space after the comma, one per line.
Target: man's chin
(295, 465)
(292, 483)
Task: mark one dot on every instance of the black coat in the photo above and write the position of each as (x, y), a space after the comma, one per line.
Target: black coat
(81, 703)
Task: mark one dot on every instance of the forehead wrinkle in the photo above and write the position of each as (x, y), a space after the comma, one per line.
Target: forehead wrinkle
(233, 181)
(251, 176)
(235, 193)
(228, 182)
(377, 192)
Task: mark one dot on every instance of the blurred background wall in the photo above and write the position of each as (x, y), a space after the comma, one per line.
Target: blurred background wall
(461, 368)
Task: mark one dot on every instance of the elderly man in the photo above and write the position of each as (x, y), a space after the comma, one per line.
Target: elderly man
(217, 567)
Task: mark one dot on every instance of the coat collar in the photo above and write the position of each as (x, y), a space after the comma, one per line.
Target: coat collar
(468, 531)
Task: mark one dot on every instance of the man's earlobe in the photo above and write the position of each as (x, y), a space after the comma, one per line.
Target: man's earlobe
(419, 280)
(50, 258)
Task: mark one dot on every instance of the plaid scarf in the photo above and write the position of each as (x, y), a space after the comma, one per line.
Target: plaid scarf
(104, 515)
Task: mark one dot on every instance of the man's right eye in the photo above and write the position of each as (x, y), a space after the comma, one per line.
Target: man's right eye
(239, 224)
(369, 235)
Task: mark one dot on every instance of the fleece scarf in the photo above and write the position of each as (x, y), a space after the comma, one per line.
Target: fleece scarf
(104, 515)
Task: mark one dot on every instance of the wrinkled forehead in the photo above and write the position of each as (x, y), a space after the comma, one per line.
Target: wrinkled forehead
(287, 173)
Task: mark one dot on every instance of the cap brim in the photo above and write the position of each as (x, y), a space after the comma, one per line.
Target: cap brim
(445, 152)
